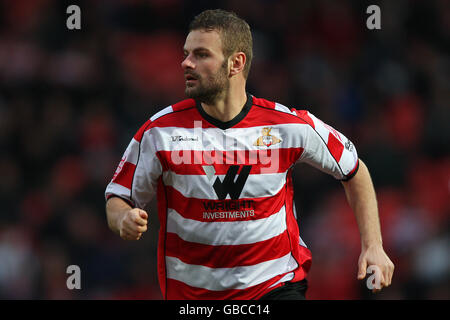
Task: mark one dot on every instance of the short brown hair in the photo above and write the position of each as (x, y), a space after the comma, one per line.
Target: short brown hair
(234, 32)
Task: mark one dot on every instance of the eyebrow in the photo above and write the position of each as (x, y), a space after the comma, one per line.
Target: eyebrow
(199, 49)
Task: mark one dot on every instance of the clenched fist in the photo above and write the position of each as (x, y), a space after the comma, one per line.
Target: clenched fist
(133, 224)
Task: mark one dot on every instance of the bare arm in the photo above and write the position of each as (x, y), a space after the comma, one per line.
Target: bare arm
(362, 199)
(124, 220)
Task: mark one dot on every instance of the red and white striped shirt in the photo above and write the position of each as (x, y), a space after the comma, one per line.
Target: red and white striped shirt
(225, 195)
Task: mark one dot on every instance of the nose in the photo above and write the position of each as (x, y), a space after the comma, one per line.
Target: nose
(187, 63)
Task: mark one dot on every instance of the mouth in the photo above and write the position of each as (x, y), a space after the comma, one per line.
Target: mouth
(189, 77)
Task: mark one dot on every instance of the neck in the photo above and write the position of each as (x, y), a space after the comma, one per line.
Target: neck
(228, 106)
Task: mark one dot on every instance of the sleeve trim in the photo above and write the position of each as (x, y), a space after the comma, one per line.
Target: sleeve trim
(130, 203)
(352, 173)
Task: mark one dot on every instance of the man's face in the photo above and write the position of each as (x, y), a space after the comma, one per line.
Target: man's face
(205, 67)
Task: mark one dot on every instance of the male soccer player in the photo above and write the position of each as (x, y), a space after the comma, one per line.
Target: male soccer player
(220, 164)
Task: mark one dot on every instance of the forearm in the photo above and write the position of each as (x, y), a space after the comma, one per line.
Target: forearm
(362, 199)
(116, 209)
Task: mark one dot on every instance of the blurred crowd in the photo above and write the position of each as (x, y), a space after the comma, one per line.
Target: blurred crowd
(71, 100)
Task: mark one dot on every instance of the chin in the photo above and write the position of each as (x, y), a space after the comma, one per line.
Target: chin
(192, 92)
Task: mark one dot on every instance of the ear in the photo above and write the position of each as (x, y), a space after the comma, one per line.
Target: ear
(237, 63)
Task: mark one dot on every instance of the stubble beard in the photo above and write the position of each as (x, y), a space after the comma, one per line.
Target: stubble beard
(211, 89)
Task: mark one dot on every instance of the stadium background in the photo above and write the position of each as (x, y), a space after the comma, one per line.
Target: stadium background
(70, 101)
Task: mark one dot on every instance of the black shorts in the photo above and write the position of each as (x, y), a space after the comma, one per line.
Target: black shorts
(289, 291)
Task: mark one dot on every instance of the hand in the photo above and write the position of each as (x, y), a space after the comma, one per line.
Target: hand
(133, 224)
(375, 255)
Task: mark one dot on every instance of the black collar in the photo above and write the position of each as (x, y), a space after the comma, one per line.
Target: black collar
(228, 124)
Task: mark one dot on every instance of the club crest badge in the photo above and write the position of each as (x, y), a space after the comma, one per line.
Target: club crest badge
(266, 139)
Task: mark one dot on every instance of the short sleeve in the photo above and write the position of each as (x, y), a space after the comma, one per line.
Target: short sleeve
(136, 176)
(327, 149)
